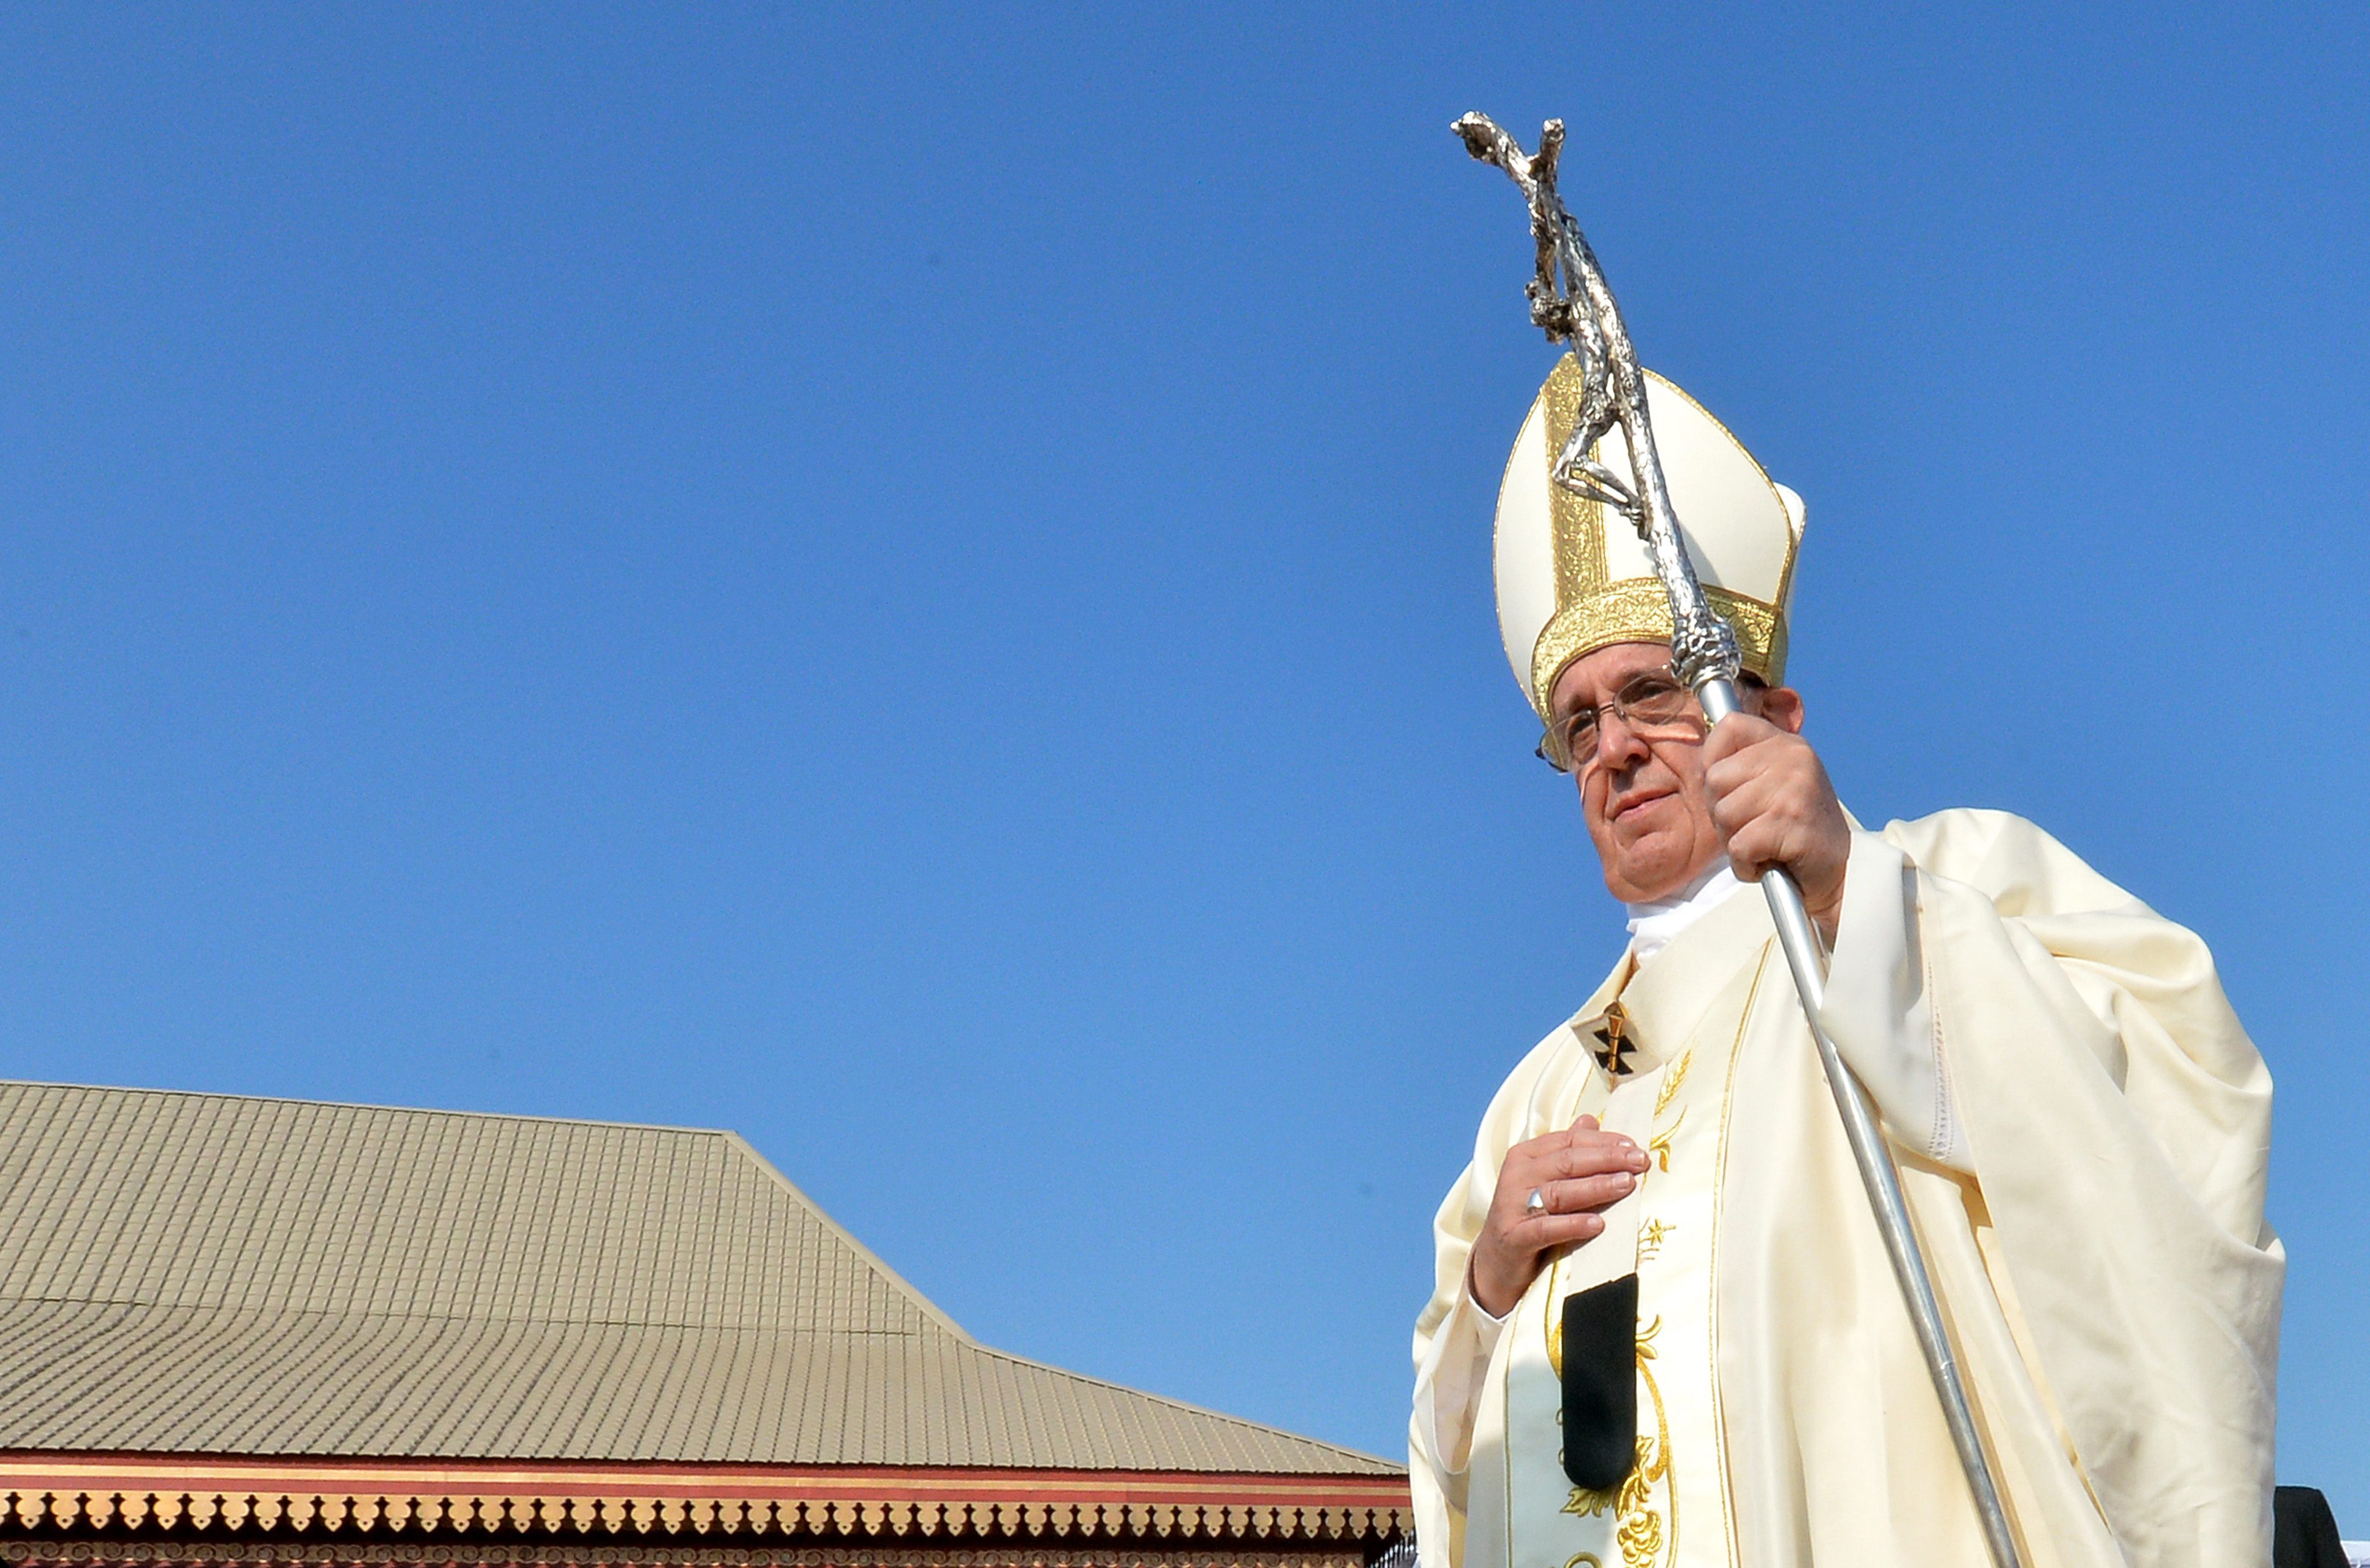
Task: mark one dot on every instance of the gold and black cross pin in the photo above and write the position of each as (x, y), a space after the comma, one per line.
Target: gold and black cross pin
(1614, 1038)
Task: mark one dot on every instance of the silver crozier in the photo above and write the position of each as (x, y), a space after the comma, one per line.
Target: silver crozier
(1703, 653)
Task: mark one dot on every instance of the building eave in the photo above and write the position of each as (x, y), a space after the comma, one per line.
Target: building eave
(198, 1496)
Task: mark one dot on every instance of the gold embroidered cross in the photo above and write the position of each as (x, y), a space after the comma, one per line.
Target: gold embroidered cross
(1615, 1036)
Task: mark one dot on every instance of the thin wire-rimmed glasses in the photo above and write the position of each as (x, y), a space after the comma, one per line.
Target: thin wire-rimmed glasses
(1654, 706)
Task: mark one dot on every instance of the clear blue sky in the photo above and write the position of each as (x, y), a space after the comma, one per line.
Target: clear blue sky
(916, 583)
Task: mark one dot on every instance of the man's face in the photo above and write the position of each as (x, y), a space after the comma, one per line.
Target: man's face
(1644, 800)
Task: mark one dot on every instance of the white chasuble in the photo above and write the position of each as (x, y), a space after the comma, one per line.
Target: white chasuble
(2081, 1127)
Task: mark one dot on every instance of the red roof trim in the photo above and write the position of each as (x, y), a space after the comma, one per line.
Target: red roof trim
(209, 1492)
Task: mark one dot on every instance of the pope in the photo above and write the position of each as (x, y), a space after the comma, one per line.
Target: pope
(2081, 1124)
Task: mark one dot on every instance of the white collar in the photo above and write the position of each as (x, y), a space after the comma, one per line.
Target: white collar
(1653, 926)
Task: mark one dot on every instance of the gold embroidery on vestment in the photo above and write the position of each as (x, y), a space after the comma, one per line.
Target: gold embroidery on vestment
(1718, 1181)
(1642, 1534)
(1658, 1145)
(1589, 1501)
(1640, 1531)
(1650, 1237)
(1678, 1076)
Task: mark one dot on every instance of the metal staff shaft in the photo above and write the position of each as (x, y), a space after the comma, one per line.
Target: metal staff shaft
(1579, 309)
(1806, 955)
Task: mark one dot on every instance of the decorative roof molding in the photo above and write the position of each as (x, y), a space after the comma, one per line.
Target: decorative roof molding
(186, 1496)
(485, 1553)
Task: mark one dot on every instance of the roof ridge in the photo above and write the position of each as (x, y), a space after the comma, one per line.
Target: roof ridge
(370, 1105)
(341, 1314)
(896, 1281)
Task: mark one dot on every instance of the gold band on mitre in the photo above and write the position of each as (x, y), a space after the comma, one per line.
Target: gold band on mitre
(1639, 611)
(1574, 577)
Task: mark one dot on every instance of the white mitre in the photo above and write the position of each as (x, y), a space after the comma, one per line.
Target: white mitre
(1572, 574)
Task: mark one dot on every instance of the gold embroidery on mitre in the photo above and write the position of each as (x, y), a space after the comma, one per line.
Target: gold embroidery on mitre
(1635, 609)
(1592, 612)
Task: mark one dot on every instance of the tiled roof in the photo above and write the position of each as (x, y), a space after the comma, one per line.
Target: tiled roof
(202, 1273)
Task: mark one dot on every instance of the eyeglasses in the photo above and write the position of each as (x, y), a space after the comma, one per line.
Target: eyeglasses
(1654, 706)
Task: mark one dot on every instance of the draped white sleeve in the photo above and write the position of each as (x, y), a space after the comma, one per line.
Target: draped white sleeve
(1879, 1010)
(1448, 1381)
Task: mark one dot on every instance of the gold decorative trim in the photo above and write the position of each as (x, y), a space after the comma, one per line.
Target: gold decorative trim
(1642, 1534)
(1712, 1291)
(1635, 609)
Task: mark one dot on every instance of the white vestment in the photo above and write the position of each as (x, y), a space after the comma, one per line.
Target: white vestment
(2082, 1128)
